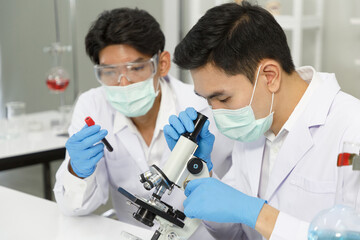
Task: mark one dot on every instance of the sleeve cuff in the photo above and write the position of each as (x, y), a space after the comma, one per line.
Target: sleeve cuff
(289, 227)
(77, 190)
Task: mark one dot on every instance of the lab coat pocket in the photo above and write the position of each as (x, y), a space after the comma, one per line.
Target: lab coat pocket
(313, 186)
(308, 195)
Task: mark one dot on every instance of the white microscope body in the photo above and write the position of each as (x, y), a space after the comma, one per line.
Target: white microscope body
(181, 167)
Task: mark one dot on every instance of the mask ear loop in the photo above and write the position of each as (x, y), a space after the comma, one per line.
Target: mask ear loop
(257, 77)
(272, 102)
(158, 86)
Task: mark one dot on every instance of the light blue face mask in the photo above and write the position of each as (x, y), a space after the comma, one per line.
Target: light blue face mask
(240, 124)
(133, 100)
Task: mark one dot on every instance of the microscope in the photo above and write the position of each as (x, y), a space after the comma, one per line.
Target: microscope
(181, 167)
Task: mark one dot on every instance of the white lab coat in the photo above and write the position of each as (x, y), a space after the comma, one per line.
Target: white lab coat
(304, 178)
(122, 167)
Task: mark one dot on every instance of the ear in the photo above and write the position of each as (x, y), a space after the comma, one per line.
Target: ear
(164, 63)
(272, 72)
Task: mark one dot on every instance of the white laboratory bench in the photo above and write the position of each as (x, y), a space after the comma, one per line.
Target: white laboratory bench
(34, 141)
(34, 146)
(23, 216)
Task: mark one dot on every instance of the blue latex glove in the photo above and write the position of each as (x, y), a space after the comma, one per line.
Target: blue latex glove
(184, 123)
(83, 150)
(212, 200)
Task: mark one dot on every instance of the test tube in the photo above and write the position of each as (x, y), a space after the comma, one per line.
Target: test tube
(89, 121)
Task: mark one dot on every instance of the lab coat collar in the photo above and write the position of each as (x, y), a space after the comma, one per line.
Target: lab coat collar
(297, 143)
(254, 154)
(321, 93)
(129, 134)
(125, 129)
(322, 99)
(133, 145)
(308, 74)
(167, 108)
(167, 105)
(121, 122)
(299, 140)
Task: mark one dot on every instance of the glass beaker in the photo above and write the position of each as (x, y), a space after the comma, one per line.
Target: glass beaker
(341, 222)
(15, 119)
(128, 236)
(66, 114)
(337, 223)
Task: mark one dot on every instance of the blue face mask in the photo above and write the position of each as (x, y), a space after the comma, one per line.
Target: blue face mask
(240, 124)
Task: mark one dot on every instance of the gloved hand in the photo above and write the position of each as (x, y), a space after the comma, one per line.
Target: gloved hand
(212, 200)
(184, 123)
(84, 155)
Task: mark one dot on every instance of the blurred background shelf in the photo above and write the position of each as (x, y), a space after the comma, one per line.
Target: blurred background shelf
(355, 21)
(297, 23)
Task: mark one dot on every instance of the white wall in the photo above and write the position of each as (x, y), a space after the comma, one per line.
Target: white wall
(28, 26)
(25, 28)
(1, 95)
(172, 29)
(341, 41)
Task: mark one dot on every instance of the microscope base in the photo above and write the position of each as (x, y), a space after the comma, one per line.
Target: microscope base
(169, 231)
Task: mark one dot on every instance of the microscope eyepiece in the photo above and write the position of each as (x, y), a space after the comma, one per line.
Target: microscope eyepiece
(198, 124)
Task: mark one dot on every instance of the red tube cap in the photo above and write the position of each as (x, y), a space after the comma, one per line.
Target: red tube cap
(89, 121)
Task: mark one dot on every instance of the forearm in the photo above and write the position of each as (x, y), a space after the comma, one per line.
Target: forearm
(72, 171)
(266, 220)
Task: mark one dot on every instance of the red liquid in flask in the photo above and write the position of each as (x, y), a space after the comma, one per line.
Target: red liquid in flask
(58, 85)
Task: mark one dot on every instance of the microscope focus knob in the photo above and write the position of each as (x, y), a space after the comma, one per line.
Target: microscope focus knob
(195, 165)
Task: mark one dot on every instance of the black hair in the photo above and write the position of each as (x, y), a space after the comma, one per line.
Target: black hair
(134, 27)
(235, 38)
